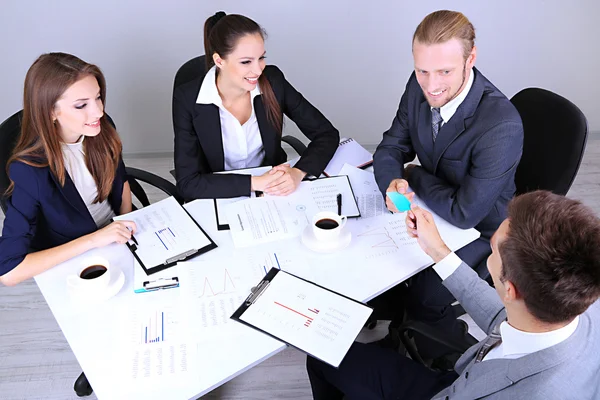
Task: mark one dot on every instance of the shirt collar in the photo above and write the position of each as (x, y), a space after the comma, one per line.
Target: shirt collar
(448, 110)
(516, 342)
(209, 94)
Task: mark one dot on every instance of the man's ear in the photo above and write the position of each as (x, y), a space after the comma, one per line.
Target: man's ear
(511, 293)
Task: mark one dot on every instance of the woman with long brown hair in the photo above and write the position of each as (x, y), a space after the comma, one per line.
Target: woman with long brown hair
(67, 176)
(232, 116)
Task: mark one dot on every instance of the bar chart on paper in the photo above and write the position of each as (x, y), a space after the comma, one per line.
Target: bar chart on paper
(167, 237)
(155, 326)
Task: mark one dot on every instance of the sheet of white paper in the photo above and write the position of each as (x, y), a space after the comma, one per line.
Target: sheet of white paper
(321, 195)
(263, 220)
(164, 230)
(313, 319)
(158, 348)
(368, 197)
(221, 203)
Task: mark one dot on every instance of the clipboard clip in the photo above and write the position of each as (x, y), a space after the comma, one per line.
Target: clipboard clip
(257, 291)
(180, 257)
(161, 283)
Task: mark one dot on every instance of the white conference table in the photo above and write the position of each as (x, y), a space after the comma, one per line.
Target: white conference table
(96, 335)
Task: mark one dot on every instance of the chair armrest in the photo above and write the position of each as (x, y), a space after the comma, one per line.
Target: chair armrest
(432, 334)
(135, 174)
(296, 144)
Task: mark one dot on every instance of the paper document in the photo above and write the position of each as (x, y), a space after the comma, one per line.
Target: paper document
(315, 320)
(158, 349)
(165, 231)
(370, 200)
(221, 203)
(263, 220)
(350, 152)
(321, 195)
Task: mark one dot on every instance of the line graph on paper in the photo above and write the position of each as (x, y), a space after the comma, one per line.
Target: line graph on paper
(381, 238)
(224, 286)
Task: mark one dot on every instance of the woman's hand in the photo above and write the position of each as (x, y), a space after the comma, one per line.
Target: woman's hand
(287, 183)
(259, 183)
(118, 231)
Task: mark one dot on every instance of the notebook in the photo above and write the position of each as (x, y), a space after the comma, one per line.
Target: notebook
(348, 152)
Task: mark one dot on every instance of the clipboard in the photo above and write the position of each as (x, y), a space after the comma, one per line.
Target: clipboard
(308, 324)
(357, 215)
(223, 226)
(173, 260)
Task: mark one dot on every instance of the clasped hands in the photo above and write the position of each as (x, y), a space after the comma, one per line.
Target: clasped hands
(279, 181)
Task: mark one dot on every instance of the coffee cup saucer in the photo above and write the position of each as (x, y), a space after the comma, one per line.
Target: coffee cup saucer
(311, 242)
(117, 280)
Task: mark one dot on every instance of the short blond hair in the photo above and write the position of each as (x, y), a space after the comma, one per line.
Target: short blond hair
(441, 26)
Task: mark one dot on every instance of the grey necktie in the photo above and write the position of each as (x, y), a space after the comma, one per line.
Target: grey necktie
(436, 122)
(492, 341)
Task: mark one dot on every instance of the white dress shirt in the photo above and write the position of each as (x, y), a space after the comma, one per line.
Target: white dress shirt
(242, 144)
(515, 343)
(448, 109)
(74, 158)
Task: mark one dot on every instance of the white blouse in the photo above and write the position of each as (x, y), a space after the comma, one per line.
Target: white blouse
(74, 158)
(242, 144)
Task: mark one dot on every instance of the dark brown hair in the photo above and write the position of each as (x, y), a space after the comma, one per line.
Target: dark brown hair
(221, 34)
(441, 26)
(552, 255)
(39, 144)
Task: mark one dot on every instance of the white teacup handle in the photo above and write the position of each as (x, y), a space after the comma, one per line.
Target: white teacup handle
(344, 219)
(73, 280)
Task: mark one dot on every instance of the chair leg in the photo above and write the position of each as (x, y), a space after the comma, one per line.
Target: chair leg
(82, 387)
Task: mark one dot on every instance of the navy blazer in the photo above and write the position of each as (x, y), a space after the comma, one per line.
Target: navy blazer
(41, 214)
(199, 141)
(468, 175)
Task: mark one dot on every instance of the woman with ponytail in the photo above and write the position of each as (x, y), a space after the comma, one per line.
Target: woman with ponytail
(232, 118)
(67, 176)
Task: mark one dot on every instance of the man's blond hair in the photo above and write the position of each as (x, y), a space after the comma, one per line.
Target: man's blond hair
(441, 26)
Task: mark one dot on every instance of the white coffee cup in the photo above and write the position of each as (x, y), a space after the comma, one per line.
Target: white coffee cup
(93, 277)
(327, 225)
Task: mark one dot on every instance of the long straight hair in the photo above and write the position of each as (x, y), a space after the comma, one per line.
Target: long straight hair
(39, 144)
(221, 34)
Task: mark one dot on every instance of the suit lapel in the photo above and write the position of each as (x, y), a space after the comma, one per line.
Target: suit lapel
(270, 138)
(425, 132)
(447, 134)
(456, 126)
(70, 193)
(207, 123)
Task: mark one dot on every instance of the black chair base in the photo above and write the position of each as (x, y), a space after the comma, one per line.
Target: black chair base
(82, 387)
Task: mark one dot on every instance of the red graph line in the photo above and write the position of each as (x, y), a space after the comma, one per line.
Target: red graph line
(206, 282)
(225, 280)
(291, 309)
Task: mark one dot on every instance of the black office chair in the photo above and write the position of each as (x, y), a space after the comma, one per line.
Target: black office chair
(10, 130)
(555, 136)
(193, 68)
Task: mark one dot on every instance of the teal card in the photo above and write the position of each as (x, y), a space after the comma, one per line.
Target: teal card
(399, 200)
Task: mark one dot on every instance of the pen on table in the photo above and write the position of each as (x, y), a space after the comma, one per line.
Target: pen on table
(339, 203)
(133, 238)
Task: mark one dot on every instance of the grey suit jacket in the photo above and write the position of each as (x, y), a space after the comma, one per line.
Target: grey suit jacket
(468, 175)
(568, 370)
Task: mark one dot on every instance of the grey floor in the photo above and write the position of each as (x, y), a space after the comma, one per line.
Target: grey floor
(37, 363)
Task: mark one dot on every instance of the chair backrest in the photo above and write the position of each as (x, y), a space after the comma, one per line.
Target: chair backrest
(9, 133)
(189, 71)
(555, 135)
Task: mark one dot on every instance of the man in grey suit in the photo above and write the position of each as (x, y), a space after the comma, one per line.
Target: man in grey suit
(542, 320)
(468, 138)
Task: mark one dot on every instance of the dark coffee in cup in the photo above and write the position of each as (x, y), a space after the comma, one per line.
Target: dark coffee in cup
(93, 271)
(326, 223)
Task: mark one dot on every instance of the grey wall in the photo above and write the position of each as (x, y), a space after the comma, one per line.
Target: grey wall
(351, 59)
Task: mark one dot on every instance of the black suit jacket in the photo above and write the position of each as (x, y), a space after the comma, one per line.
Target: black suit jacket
(199, 141)
(468, 175)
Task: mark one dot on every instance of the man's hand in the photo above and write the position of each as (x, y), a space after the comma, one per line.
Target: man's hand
(420, 224)
(400, 186)
(287, 183)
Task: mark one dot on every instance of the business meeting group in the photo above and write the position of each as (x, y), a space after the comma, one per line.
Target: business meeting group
(530, 281)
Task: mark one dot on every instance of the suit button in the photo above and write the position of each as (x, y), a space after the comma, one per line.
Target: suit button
(446, 398)
(453, 389)
(467, 375)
